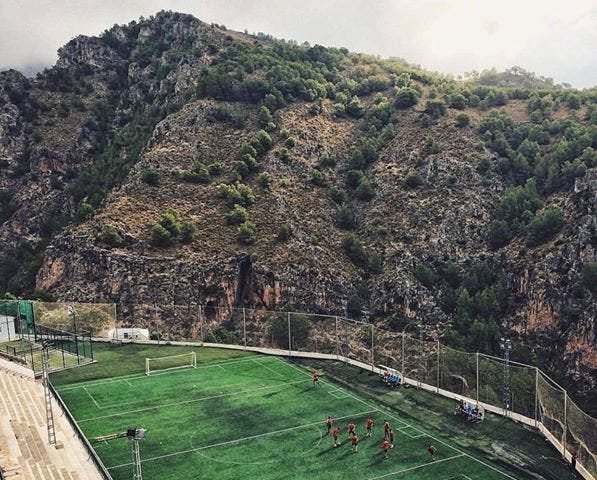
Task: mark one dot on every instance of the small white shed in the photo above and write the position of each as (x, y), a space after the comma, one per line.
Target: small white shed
(129, 334)
(7, 328)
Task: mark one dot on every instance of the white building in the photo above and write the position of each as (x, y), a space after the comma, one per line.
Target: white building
(7, 328)
(128, 334)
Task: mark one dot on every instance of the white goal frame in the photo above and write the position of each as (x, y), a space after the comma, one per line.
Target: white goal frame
(192, 363)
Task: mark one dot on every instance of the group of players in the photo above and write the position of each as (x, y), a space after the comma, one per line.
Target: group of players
(386, 444)
(388, 437)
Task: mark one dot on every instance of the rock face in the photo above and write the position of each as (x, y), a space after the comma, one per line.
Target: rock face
(78, 141)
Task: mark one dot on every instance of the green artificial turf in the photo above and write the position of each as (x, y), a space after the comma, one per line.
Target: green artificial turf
(250, 416)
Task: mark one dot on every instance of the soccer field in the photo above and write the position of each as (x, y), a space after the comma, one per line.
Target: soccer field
(257, 417)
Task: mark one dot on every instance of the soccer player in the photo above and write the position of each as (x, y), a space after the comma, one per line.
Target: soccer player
(369, 425)
(328, 423)
(431, 449)
(351, 427)
(385, 445)
(315, 377)
(354, 440)
(391, 438)
(335, 433)
(386, 428)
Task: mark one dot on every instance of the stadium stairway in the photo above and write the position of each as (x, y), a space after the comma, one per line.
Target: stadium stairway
(24, 450)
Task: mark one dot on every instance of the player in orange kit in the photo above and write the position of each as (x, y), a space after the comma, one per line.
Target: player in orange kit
(369, 425)
(355, 442)
(335, 433)
(385, 445)
(328, 424)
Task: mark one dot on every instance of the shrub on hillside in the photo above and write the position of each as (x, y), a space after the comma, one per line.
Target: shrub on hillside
(544, 226)
(345, 218)
(406, 97)
(150, 177)
(499, 234)
(284, 233)
(425, 275)
(187, 232)
(111, 237)
(462, 120)
(413, 180)
(364, 190)
(160, 237)
(237, 215)
(246, 233)
(353, 248)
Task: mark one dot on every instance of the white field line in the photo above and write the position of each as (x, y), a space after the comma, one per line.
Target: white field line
(139, 376)
(404, 431)
(218, 387)
(91, 396)
(185, 402)
(414, 428)
(435, 462)
(238, 440)
(271, 370)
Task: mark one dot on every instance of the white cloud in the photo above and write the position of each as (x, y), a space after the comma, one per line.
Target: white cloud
(555, 38)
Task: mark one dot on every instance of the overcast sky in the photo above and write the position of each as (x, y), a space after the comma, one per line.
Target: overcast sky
(555, 38)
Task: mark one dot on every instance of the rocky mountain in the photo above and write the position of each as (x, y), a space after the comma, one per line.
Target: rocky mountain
(169, 160)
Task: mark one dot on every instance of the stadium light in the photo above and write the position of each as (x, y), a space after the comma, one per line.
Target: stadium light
(73, 312)
(135, 435)
(506, 347)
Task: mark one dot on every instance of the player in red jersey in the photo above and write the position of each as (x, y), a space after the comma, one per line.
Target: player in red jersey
(391, 438)
(354, 440)
(369, 425)
(315, 377)
(328, 423)
(386, 428)
(385, 445)
(351, 426)
(432, 450)
(335, 433)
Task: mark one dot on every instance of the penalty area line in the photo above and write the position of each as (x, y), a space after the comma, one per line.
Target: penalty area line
(185, 402)
(239, 440)
(268, 368)
(418, 466)
(91, 396)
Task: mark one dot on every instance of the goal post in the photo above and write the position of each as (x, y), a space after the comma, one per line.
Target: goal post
(170, 362)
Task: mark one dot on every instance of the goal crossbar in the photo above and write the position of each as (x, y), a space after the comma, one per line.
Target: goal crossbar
(170, 362)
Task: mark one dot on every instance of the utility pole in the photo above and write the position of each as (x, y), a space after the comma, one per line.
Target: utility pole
(506, 347)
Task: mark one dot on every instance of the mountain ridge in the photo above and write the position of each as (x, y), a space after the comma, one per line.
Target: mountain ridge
(362, 185)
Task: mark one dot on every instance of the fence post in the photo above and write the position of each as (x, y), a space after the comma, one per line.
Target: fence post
(565, 424)
(245, 327)
(289, 337)
(477, 357)
(337, 340)
(372, 347)
(536, 395)
(438, 351)
(402, 357)
(200, 323)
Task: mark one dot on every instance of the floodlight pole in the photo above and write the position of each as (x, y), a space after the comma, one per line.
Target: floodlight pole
(45, 362)
(73, 312)
(506, 347)
(135, 435)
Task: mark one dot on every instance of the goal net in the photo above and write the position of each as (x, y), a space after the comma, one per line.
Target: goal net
(171, 362)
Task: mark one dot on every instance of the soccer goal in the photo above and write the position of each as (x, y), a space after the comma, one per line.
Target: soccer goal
(171, 362)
